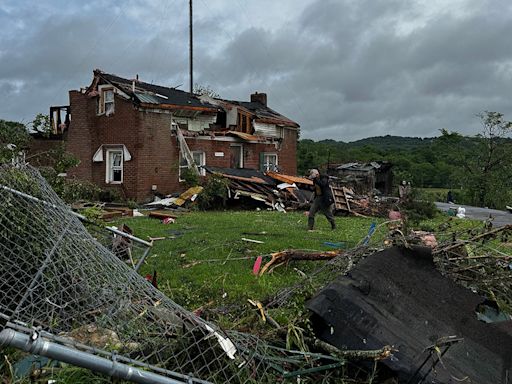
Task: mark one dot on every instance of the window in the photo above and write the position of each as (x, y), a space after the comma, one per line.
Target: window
(106, 100)
(114, 172)
(244, 123)
(199, 159)
(236, 156)
(268, 162)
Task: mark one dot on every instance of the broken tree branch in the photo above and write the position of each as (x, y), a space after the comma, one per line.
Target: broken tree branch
(291, 254)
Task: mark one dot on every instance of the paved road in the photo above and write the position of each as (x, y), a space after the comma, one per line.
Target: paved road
(500, 217)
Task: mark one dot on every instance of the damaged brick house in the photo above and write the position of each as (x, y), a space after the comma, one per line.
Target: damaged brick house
(138, 137)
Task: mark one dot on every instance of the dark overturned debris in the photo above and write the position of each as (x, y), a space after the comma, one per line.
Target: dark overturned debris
(397, 297)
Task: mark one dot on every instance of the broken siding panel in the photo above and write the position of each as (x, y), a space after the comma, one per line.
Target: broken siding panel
(264, 129)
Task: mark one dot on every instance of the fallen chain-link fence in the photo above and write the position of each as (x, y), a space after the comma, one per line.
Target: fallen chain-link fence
(60, 285)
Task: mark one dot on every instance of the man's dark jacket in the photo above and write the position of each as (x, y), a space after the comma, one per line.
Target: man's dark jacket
(322, 188)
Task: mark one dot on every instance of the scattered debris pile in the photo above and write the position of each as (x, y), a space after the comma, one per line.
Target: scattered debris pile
(177, 203)
(398, 297)
(349, 203)
(280, 192)
(480, 262)
(364, 178)
(250, 188)
(274, 190)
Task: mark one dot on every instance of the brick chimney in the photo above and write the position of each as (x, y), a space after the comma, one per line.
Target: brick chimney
(260, 98)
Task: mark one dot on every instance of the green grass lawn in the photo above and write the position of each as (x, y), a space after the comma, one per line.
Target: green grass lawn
(204, 259)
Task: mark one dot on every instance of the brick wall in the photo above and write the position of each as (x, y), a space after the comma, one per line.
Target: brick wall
(157, 159)
(288, 152)
(79, 134)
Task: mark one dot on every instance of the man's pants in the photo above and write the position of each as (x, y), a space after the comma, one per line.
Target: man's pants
(319, 205)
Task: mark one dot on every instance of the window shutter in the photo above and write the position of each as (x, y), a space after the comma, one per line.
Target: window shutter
(262, 161)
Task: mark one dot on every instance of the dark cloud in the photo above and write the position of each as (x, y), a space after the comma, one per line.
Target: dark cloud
(344, 69)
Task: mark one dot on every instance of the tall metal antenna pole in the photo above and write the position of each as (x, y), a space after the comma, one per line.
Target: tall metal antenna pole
(191, 49)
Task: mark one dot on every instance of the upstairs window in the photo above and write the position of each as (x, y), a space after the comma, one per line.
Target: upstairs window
(244, 123)
(106, 100)
(268, 162)
(114, 171)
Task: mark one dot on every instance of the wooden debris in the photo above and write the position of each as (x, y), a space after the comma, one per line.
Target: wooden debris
(162, 214)
(188, 195)
(252, 241)
(279, 258)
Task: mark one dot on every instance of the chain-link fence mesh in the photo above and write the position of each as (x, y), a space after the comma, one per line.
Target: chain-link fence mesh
(55, 275)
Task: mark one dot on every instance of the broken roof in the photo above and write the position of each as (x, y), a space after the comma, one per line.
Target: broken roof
(245, 174)
(265, 114)
(146, 93)
(397, 297)
(157, 96)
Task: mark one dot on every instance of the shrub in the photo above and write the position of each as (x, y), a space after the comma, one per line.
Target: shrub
(70, 190)
(214, 194)
(190, 177)
(416, 210)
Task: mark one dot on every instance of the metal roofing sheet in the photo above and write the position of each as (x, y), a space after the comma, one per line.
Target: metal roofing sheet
(147, 98)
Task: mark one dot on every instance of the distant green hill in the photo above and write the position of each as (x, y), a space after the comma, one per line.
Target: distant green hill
(389, 142)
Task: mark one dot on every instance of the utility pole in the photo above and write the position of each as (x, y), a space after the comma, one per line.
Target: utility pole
(191, 49)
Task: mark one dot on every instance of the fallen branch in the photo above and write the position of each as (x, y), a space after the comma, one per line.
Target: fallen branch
(481, 236)
(291, 254)
(374, 354)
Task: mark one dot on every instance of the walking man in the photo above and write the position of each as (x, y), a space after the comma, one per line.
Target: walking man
(322, 199)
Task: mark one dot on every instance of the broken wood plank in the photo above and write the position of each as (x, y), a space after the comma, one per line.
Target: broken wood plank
(252, 241)
(162, 214)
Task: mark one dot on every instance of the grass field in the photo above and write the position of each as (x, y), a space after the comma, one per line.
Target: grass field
(204, 261)
(204, 258)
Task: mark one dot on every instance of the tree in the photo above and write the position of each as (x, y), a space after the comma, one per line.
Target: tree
(14, 138)
(484, 160)
(41, 124)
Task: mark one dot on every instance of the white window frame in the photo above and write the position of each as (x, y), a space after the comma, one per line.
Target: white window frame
(266, 163)
(102, 104)
(200, 165)
(110, 168)
(241, 147)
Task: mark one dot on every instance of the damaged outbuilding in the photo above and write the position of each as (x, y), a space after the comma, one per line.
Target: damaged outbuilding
(398, 297)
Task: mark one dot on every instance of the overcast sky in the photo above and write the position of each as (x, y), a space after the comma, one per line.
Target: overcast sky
(343, 69)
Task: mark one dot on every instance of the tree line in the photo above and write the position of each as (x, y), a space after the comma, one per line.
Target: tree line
(478, 169)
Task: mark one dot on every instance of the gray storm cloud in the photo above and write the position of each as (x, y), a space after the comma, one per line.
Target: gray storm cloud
(343, 69)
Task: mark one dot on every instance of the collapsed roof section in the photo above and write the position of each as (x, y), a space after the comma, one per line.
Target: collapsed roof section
(152, 96)
(397, 297)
